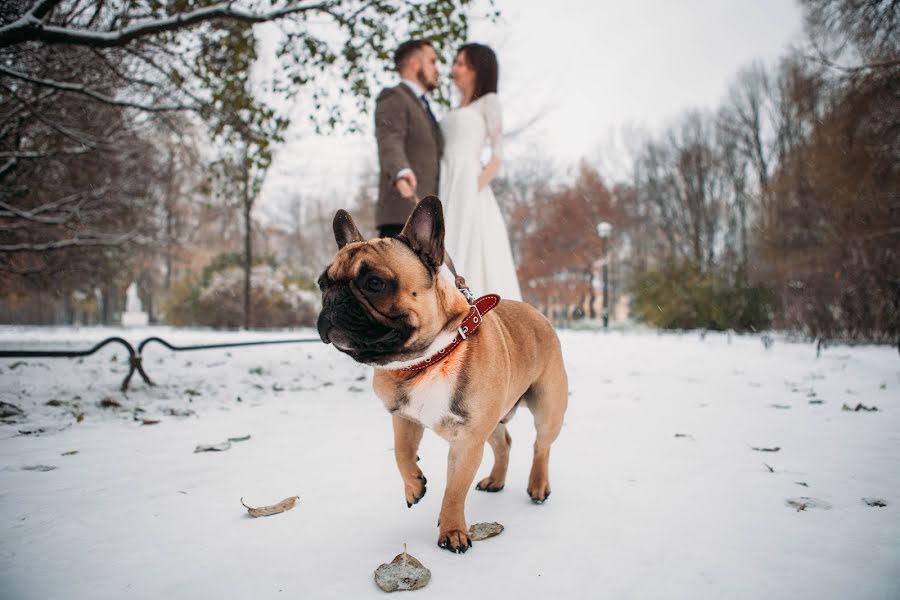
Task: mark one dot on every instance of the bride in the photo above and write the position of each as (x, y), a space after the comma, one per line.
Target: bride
(475, 235)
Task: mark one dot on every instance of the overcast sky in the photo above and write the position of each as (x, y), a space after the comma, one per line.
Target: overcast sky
(590, 68)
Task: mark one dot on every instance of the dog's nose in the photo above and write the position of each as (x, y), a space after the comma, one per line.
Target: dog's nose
(324, 325)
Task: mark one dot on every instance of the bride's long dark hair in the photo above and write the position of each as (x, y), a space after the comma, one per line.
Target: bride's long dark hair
(483, 60)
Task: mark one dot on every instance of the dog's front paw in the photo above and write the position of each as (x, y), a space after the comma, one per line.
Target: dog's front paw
(454, 540)
(489, 484)
(415, 490)
(539, 491)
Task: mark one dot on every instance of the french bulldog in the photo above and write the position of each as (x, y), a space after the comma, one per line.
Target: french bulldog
(440, 363)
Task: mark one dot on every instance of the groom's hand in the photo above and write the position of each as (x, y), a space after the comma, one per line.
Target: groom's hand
(406, 185)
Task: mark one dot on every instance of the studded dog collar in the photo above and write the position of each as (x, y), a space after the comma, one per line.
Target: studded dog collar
(472, 321)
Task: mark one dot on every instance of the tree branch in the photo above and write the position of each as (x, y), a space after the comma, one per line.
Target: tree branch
(105, 241)
(7, 166)
(42, 8)
(85, 91)
(33, 217)
(31, 27)
(32, 214)
(37, 154)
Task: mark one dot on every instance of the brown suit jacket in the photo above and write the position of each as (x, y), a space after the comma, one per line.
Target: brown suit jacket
(407, 138)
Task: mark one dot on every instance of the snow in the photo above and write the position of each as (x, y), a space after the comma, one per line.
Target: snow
(636, 512)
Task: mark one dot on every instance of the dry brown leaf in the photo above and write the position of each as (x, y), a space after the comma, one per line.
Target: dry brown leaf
(405, 572)
(483, 531)
(265, 511)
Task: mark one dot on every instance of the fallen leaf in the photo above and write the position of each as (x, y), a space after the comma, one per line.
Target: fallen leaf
(875, 502)
(243, 438)
(266, 511)
(41, 468)
(178, 412)
(483, 531)
(685, 435)
(54, 402)
(8, 410)
(780, 406)
(763, 449)
(771, 469)
(149, 421)
(80, 418)
(70, 453)
(405, 572)
(35, 431)
(110, 403)
(859, 407)
(804, 502)
(213, 447)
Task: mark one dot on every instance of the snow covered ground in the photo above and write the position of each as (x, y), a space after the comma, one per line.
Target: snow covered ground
(657, 489)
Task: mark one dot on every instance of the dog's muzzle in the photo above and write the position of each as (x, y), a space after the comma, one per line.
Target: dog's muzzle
(345, 323)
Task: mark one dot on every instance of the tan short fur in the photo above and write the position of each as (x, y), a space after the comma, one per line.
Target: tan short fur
(466, 398)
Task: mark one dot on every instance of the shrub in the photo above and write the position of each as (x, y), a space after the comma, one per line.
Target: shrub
(678, 295)
(216, 298)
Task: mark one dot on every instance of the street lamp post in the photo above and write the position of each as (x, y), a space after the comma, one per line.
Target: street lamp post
(604, 230)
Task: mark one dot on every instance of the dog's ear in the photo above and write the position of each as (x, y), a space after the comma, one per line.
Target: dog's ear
(424, 231)
(345, 230)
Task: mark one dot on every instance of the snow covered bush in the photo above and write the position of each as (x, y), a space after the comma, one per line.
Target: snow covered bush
(278, 297)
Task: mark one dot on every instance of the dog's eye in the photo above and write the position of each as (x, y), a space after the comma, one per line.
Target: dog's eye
(374, 284)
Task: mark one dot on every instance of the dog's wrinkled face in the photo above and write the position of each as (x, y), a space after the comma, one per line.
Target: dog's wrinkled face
(382, 300)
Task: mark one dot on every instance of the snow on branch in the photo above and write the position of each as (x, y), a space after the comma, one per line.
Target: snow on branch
(68, 212)
(30, 27)
(86, 91)
(101, 240)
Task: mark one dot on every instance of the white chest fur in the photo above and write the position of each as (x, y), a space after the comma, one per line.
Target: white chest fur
(429, 401)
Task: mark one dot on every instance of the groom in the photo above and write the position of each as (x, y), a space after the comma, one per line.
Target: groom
(409, 139)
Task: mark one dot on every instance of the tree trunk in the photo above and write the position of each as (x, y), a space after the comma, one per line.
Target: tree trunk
(248, 246)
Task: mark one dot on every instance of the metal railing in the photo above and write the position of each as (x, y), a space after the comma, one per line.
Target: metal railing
(135, 358)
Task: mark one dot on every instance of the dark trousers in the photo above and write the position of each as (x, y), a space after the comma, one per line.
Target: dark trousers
(390, 229)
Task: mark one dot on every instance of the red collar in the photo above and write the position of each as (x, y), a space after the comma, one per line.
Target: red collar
(476, 314)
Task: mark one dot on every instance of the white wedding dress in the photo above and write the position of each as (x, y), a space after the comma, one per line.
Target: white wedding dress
(475, 233)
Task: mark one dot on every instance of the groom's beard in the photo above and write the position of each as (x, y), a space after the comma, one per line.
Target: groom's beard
(428, 86)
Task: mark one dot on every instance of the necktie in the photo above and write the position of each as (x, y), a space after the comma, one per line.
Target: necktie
(424, 99)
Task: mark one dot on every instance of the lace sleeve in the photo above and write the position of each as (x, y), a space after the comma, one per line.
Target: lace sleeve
(493, 118)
